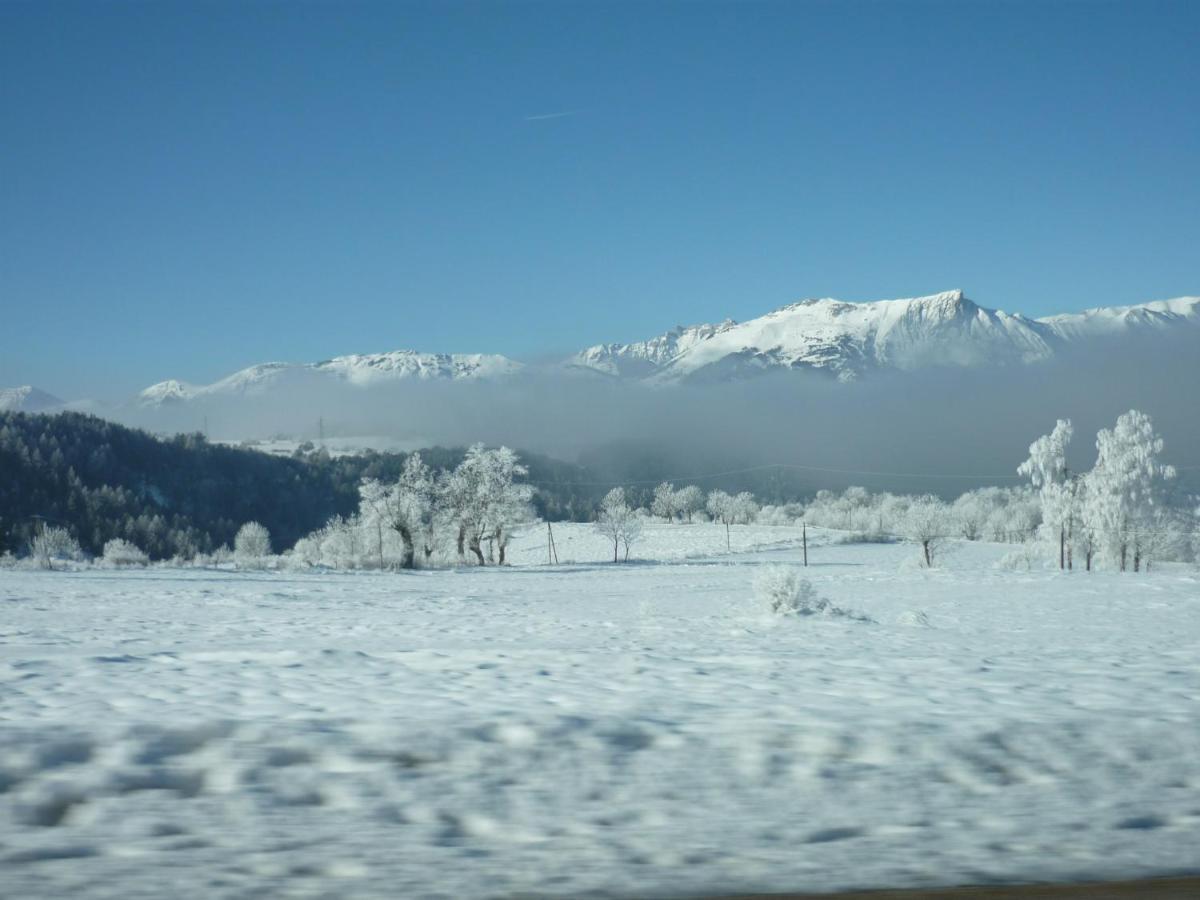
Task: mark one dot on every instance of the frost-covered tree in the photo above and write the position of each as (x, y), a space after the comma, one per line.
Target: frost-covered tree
(1047, 469)
(342, 542)
(663, 503)
(405, 507)
(723, 508)
(485, 502)
(688, 501)
(926, 522)
(618, 522)
(745, 507)
(1125, 487)
(969, 514)
(1163, 534)
(251, 545)
(854, 498)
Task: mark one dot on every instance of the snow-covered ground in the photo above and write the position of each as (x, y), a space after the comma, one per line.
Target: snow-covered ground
(633, 730)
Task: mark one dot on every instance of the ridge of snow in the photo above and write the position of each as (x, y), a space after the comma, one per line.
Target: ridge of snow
(356, 369)
(643, 357)
(1110, 320)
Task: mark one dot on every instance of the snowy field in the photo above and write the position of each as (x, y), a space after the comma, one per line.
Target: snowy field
(589, 729)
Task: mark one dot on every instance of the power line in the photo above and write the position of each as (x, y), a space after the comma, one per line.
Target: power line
(710, 475)
(796, 466)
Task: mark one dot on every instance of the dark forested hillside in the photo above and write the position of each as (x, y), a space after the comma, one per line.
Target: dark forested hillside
(182, 495)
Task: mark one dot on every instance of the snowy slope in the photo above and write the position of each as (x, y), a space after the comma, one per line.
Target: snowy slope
(27, 399)
(355, 370)
(595, 730)
(646, 357)
(1117, 320)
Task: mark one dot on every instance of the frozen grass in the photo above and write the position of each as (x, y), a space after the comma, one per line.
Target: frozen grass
(637, 730)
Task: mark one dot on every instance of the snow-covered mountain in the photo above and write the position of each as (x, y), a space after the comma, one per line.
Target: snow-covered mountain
(831, 337)
(27, 398)
(356, 370)
(847, 339)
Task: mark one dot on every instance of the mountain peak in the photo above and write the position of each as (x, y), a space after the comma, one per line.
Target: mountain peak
(27, 398)
(169, 391)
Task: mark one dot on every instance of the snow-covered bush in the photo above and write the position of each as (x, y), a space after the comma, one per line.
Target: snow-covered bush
(785, 593)
(1025, 557)
(870, 536)
(783, 514)
(7, 560)
(252, 546)
(120, 552)
(52, 545)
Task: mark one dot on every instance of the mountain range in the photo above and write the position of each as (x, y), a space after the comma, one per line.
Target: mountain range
(838, 339)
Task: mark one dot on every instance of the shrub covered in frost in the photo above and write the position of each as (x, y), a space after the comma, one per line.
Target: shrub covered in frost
(785, 593)
(119, 552)
(1024, 558)
(54, 545)
(252, 545)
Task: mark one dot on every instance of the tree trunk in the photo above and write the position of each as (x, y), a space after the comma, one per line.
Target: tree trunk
(477, 550)
(1062, 548)
(462, 537)
(727, 536)
(616, 544)
(928, 558)
(1137, 559)
(379, 539)
(1123, 549)
(500, 541)
(407, 554)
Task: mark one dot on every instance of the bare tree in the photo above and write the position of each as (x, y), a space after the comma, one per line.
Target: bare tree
(618, 522)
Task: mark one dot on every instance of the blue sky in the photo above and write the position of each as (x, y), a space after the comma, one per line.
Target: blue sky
(189, 189)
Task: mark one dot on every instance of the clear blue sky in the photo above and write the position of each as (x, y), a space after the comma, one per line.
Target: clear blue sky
(189, 189)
